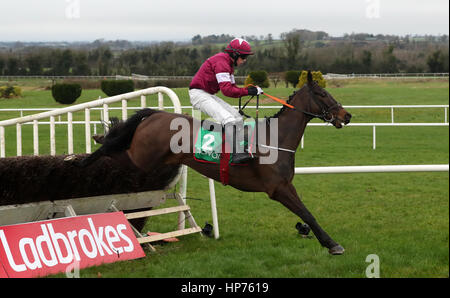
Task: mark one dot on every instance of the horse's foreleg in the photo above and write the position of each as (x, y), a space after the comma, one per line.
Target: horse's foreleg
(287, 195)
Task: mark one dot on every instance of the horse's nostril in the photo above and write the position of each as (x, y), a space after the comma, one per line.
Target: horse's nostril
(348, 117)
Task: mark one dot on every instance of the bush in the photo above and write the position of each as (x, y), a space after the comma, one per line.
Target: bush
(116, 87)
(10, 91)
(66, 93)
(17, 91)
(292, 77)
(317, 76)
(258, 78)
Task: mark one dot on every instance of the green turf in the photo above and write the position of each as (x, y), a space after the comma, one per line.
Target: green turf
(401, 217)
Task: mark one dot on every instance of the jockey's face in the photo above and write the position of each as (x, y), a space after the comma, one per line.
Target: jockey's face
(240, 61)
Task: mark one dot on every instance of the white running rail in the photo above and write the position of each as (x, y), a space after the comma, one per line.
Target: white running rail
(104, 102)
(371, 169)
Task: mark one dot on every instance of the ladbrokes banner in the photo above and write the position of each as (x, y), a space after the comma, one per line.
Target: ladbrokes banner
(46, 247)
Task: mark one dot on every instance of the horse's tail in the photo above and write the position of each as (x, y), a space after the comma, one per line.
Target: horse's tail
(119, 136)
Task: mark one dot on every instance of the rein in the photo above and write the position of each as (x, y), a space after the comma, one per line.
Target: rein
(241, 110)
(325, 111)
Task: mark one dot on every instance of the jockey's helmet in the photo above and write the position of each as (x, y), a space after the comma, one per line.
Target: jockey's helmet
(240, 47)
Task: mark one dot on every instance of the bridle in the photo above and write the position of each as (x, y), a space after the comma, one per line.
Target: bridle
(325, 111)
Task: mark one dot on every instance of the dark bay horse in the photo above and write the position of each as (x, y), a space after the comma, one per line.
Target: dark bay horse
(146, 136)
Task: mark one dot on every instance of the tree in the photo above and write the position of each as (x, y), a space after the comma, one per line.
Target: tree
(435, 61)
(64, 61)
(104, 61)
(390, 62)
(34, 64)
(81, 66)
(293, 46)
(275, 79)
(2, 65)
(366, 61)
(12, 66)
(197, 39)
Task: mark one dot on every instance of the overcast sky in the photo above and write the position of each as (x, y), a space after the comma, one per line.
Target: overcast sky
(146, 20)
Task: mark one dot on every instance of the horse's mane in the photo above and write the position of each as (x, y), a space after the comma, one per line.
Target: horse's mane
(119, 136)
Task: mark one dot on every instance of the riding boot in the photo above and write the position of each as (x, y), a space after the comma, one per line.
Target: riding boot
(234, 137)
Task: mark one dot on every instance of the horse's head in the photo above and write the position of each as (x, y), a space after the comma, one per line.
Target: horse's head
(322, 105)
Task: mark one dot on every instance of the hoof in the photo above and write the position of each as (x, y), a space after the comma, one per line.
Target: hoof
(336, 250)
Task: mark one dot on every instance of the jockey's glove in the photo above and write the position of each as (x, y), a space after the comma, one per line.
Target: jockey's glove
(254, 90)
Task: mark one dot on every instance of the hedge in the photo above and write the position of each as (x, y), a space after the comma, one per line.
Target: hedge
(258, 78)
(66, 93)
(292, 77)
(10, 91)
(116, 87)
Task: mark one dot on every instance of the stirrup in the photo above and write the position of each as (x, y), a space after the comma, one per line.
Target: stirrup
(242, 157)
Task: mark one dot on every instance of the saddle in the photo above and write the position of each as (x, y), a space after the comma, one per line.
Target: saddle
(209, 147)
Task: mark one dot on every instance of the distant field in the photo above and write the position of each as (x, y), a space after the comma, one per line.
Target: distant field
(402, 217)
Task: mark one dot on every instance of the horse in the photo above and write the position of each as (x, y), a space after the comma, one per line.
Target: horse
(146, 137)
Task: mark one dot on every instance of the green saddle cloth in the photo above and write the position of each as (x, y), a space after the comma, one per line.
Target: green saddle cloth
(208, 144)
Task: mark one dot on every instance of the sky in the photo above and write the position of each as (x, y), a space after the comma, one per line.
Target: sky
(180, 20)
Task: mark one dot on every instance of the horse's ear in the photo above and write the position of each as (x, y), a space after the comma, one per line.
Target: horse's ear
(310, 77)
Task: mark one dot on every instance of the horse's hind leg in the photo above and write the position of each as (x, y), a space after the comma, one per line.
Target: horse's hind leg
(287, 195)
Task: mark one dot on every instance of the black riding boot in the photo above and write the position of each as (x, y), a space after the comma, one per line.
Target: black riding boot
(235, 140)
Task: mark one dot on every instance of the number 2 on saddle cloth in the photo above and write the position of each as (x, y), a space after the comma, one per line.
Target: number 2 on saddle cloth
(209, 147)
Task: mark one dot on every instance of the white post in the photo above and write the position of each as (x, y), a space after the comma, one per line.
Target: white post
(95, 132)
(35, 137)
(106, 117)
(69, 133)
(161, 101)
(445, 115)
(52, 136)
(212, 194)
(183, 188)
(374, 138)
(87, 129)
(19, 139)
(143, 101)
(2, 141)
(392, 114)
(302, 142)
(124, 110)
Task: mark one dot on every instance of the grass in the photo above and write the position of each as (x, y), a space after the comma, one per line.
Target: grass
(401, 217)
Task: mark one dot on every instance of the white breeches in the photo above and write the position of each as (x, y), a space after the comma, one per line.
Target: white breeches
(214, 106)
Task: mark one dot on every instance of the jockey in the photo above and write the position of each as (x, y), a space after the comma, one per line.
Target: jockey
(217, 73)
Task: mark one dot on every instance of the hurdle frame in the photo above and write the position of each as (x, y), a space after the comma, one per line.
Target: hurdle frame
(67, 208)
